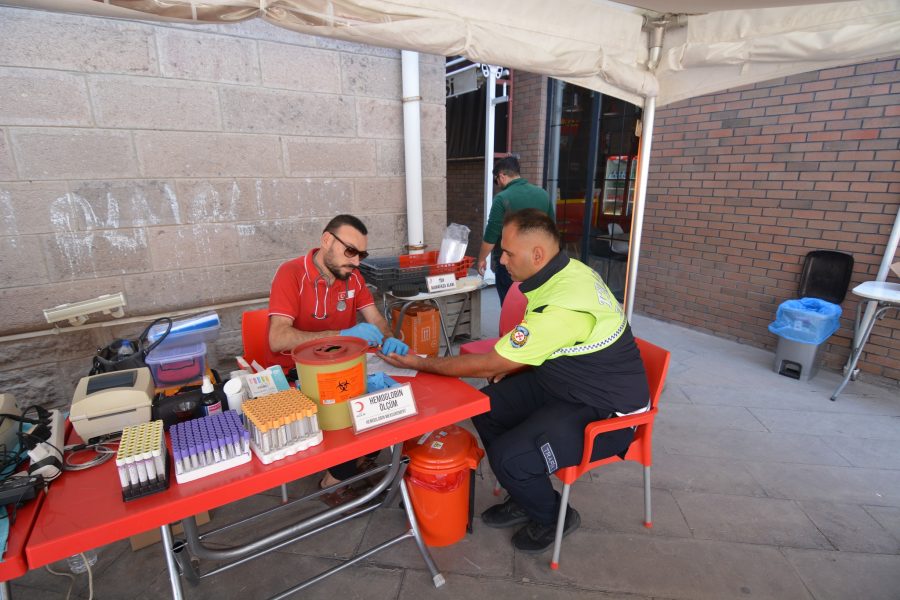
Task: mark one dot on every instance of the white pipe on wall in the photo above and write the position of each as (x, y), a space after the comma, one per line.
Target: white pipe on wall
(412, 151)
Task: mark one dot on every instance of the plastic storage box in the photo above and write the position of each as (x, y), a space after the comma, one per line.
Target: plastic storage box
(187, 331)
(177, 365)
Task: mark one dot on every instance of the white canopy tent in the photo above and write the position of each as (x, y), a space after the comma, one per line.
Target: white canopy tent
(648, 52)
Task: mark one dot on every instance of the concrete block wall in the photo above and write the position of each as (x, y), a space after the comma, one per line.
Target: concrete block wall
(181, 165)
(744, 183)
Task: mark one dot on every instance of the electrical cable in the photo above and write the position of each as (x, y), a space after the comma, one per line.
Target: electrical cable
(90, 575)
(69, 575)
(104, 453)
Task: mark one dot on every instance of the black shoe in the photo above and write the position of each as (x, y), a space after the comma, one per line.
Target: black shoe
(503, 515)
(535, 538)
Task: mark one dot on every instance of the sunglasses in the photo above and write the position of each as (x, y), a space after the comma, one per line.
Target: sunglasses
(350, 251)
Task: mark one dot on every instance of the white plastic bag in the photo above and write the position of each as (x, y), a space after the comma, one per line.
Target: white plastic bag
(453, 246)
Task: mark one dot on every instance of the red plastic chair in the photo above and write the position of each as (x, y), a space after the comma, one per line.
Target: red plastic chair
(656, 364)
(511, 314)
(255, 335)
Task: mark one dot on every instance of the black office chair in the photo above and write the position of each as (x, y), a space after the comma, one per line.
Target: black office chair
(826, 275)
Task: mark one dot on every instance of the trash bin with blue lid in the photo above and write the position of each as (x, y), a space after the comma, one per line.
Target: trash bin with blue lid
(802, 326)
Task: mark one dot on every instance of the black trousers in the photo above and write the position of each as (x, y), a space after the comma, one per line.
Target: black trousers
(528, 434)
(502, 279)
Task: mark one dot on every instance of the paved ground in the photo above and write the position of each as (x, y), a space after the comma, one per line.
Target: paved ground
(762, 488)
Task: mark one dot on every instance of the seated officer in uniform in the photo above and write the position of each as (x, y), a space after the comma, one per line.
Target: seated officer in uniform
(585, 367)
(319, 295)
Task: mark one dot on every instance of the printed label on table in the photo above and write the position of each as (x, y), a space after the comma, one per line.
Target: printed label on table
(438, 283)
(382, 407)
(340, 386)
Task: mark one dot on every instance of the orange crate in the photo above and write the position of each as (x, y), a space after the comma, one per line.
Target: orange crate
(429, 259)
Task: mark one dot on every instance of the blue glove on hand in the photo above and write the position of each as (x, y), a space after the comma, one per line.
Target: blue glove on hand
(366, 331)
(392, 344)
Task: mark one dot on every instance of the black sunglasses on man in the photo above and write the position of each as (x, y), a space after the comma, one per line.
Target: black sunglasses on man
(350, 251)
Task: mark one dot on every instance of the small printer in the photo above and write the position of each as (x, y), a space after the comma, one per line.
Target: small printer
(109, 402)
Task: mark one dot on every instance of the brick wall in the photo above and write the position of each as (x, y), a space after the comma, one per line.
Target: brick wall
(181, 165)
(465, 177)
(529, 106)
(465, 198)
(745, 182)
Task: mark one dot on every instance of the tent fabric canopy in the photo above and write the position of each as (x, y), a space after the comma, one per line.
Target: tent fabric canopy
(598, 45)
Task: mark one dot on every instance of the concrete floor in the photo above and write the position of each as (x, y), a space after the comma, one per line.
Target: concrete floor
(762, 488)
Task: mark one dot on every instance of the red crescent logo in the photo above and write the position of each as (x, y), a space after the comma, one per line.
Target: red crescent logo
(361, 408)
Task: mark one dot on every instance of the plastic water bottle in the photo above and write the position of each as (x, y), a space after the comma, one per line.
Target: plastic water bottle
(77, 564)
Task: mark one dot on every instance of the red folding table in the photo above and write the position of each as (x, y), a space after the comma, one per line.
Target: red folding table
(14, 563)
(84, 509)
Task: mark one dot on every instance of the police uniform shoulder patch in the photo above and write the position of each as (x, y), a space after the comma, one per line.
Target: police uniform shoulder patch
(518, 336)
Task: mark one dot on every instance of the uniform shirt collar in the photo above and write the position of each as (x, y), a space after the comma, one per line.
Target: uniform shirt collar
(556, 264)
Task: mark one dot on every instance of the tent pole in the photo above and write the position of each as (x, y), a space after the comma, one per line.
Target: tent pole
(491, 73)
(637, 215)
(657, 31)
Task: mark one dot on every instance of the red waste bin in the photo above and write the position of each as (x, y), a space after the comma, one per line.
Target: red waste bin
(439, 482)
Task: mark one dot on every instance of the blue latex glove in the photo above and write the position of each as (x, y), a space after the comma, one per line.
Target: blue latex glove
(392, 344)
(366, 331)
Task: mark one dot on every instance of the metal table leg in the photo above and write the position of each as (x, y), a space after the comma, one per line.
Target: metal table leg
(436, 576)
(169, 549)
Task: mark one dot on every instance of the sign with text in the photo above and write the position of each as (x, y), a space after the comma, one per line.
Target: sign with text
(382, 407)
(439, 283)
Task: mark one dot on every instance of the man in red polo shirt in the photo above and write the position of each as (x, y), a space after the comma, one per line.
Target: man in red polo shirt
(319, 295)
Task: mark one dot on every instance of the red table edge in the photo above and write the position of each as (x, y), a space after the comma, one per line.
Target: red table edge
(14, 561)
(41, 552)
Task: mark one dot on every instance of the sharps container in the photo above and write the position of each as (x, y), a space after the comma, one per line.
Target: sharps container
(332, 370)
(439, 482)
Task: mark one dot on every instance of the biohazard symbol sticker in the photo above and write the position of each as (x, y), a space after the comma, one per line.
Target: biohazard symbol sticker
(518, 336)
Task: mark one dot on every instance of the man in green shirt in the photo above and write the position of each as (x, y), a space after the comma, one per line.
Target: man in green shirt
(516, 194)
(584, 366)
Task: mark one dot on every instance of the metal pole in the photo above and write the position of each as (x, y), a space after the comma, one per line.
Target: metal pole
(553, 146)
(490, 94)
(596, 104)
(637, 217)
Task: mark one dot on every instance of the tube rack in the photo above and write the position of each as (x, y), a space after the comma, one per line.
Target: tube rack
(281, 424)
(209, 445)
(142, 460)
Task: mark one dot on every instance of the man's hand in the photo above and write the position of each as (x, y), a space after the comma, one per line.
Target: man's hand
(393, 345)
(409, 361)
(366, 331)
(482, 266)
